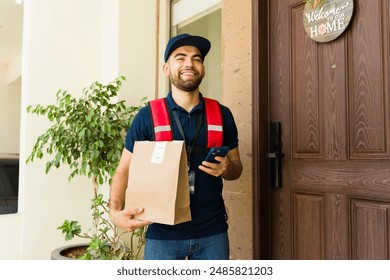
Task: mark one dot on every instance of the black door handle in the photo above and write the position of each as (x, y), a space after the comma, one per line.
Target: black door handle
(275, 154)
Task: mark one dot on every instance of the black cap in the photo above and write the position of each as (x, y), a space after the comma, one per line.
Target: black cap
(180, 40)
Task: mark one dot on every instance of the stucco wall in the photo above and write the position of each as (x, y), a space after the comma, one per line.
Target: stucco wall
(237, 95)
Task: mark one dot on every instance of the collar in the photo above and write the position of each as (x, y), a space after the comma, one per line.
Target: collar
(172, 104)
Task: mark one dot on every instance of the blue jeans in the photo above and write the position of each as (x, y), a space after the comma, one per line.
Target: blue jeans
(215, 247)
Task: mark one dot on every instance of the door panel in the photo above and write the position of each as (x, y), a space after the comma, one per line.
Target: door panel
(370, 227)
(333, 100)
(308, 226)
(369, 81)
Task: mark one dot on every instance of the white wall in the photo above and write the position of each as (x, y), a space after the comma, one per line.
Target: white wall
(61, 50)
(10, 237)
(142, 43)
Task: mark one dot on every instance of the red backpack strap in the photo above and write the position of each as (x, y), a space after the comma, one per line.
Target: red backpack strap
(161, 120)
(214, 123)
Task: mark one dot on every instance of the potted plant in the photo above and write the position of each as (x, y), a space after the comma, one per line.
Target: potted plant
(87, 134)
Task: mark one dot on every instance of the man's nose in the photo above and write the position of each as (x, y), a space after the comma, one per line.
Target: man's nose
(189, 62)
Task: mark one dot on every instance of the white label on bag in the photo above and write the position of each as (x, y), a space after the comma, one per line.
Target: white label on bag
(158, 152)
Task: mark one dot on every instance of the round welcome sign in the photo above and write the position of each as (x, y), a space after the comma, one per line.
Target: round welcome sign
(325, 20)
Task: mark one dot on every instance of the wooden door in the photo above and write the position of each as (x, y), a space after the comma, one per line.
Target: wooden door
(333, 101)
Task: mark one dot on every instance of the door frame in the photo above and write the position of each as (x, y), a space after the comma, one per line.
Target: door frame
(260, 125)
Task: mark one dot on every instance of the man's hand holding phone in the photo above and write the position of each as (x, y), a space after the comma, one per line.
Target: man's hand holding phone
(216, 166)
(216, 151)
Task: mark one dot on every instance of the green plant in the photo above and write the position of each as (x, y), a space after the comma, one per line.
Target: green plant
(87, 134)
(102, 246)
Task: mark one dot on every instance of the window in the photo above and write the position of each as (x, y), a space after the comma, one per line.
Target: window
(9, 183)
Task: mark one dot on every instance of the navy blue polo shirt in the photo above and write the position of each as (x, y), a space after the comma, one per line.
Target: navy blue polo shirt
(207, 205)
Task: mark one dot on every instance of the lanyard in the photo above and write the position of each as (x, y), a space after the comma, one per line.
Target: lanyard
(189, 148)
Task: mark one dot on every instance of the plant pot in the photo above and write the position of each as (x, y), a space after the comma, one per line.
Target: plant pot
(70, 252)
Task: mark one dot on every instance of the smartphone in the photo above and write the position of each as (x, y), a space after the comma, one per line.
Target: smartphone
(216, 151)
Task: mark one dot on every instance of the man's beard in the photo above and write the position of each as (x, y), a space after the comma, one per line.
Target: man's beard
(188, 86)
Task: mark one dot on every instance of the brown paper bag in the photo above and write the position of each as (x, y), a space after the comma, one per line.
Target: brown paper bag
(158, 182)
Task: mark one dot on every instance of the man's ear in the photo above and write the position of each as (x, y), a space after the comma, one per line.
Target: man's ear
(166, 69)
